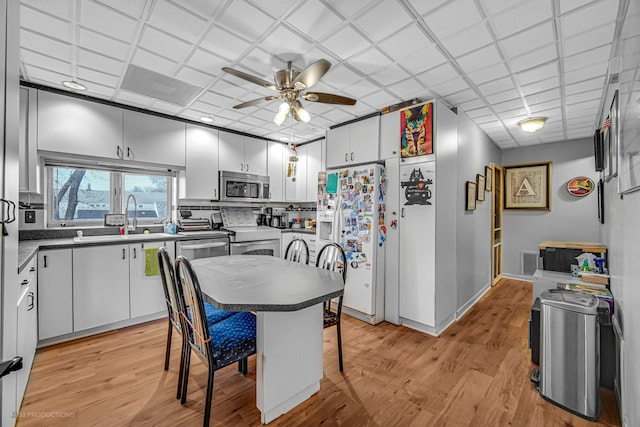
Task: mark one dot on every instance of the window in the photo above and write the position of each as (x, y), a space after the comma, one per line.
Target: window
(78, 196)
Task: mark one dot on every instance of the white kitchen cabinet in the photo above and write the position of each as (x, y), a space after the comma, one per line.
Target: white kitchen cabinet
(29, 178)
(27, 339)
(276, 165)
(201, 173)
(146, 295)
(354, 143)
(153, 139)
(100, 285)
(242, 154)
(55, 293)
(75, 126)
(310, 240)
(305, 186)
(390, 135)
(314, 165)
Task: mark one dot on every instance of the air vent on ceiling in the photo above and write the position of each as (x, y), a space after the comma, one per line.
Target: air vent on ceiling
(614, 78)
(156, 85)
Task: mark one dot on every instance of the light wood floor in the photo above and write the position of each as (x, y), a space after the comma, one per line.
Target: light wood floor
(477, 373)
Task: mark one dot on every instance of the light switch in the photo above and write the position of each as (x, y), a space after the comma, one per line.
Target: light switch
(29, 217)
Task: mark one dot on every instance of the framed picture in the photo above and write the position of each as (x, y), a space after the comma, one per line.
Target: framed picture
(528, 186)
(416, 130)
(488, 173)
(601, 201)
(611, 143)
(471, 196)
(480, 183)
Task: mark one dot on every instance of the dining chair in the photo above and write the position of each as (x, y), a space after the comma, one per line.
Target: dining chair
(221, 344)
(332, 257)
(297, 251)
(212, 314)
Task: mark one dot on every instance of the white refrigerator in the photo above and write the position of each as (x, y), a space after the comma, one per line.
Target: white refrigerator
(350, 212)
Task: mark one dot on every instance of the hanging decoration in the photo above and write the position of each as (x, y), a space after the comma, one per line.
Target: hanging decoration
(416, 131)
(580, 186)
(293, 162)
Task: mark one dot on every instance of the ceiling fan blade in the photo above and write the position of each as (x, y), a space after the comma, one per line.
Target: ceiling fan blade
(310, 75)
(250, 78)
(328, 98)
(255, 102)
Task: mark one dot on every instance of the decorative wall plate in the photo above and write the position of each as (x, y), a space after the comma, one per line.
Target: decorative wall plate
(580, 186)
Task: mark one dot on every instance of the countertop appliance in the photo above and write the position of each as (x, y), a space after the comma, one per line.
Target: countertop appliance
(350, 212)
(206, 242)
(246, 236)
(243, 187)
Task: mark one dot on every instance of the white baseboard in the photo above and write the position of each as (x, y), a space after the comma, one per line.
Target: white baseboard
(518, 277)
(467, 306)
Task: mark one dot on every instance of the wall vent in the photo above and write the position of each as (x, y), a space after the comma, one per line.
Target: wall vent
(529, 262)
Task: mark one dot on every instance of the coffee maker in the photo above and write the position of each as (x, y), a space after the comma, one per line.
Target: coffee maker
(279, 218)
(265, 217)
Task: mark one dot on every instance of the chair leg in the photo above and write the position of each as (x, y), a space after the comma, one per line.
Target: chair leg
(185, 378)
(167, 353)
(183, 352)
(245, 366)
(339, 345)
(239, 365)
(207, 403)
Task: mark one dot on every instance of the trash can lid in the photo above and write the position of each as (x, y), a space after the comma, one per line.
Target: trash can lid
(579, 302)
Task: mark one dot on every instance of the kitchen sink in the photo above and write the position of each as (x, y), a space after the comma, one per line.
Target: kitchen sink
(121, 237)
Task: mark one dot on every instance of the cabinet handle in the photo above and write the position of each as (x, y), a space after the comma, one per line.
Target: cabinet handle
(118, 151)
(402, 213)
(393, 152)
(241, 167)
(44, 258)
(123, 254)
(135, 253)
(32, 269)
(128, 152)
(32, 302)
(215, 193)
(352, 156)
(24, 282)
(346, 157)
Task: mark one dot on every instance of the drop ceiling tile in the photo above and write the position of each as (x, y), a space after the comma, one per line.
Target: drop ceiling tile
(422, 60)
(481, 58)
(194, 77)
(396, 45)
(602, 12)
(107, 21)
(98, 62)
(98, 91)
(586, 73)
(380, 99)
(451, 86)
(177, 21)
(528, 40)
(370, 61)
(537, 74)
(260, 63)
(363, 88)
(205, 9)
(540, 86)
(507, 105)
(583, 107)
(231, 91)
(245, 20)
(587, 58)
(493, 7)
(314, 19)
(103, 45)
(439, 74)
(163, 44)
(544, 107)
(45, 45)
(341, 74)
(389, 75)
(480, 112)
(133, 8)
(539, 97)
(60, 8)
(467, 40)
(47, 62)
(530, 12)
(39, 22)
(215, 98)
(462, 97)
(233, 115)
(507, 95)
(166, 107)
(471, 105)
(151, 61)
(134, 99)
(423, 7)
(98, 77)
(590, 38)
(405, 89)
(511, 117)
(453, 17)
(224, 43)
(499, 85)
(206, 62)
(533, 59)
(274, 45)
(336, 43)
(490, 73)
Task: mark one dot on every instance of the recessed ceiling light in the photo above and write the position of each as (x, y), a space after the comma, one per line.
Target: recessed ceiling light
(532, 124)
(74, 85)
(206, 119)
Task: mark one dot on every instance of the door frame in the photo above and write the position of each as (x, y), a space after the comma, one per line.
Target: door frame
(497, 190)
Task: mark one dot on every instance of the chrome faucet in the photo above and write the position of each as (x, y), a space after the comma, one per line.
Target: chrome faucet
(127, 228)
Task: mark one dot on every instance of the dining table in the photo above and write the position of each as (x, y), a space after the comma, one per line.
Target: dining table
(287, 298)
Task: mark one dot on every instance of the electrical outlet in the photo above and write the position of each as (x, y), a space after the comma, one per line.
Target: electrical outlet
(29, 217)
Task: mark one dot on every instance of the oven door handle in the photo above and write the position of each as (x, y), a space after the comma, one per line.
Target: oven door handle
(204, 246)
(254, 243)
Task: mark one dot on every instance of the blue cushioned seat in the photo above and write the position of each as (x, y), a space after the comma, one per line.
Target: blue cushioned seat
(215, 314)
(232, 337)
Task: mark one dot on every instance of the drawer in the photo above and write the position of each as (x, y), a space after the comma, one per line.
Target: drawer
(27, 276)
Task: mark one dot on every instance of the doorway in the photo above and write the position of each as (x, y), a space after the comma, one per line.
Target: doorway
(496, 223)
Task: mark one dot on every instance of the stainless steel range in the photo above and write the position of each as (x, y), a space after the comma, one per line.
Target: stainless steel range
(205, 241)
(246, 236)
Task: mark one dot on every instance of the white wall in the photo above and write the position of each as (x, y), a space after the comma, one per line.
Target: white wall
(570, 218)
(475, 151)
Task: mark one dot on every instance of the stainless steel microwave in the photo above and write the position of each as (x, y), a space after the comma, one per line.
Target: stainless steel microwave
(243, 187)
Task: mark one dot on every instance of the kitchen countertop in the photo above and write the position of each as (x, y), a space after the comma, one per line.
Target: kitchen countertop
(299, 230)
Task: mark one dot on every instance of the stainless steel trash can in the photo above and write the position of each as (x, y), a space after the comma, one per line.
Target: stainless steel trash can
(570, 351)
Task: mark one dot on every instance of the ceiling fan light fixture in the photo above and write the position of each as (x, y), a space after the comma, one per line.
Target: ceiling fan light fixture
(304, 115)
(279, 118)
(284, 108)
(532, 124)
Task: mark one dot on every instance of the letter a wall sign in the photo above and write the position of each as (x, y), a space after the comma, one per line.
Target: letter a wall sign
(527, 186)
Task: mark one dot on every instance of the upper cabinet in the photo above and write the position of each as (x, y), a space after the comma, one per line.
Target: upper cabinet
(305, 186)
(29, 171)
(242, 154)
(201, 174)
(75, 126)
(389, 135)
(277, 162)
(353, 143)
(153, 139)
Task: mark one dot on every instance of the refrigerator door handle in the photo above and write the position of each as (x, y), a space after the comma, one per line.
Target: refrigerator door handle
(402, 213)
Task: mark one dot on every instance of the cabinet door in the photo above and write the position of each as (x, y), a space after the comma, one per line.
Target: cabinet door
(301, 174)
(314, 165)
(201, 174)
(146, 295)
(55, 296)
(231, 152)
(390, 135)
(338, 146)
(275, 170)
(29, 171)
(100, 286)
(255, 156)
(76, 126)
(285, 239)
(364, 138)
(153, 139)
(27, 339)
(310, 239)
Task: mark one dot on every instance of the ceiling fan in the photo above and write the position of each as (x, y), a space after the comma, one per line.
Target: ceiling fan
(292, 85)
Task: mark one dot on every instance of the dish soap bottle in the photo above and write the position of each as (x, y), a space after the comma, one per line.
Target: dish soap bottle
(170, 227)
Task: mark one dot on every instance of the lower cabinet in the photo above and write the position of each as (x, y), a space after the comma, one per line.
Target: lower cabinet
(55, 293)
(310, 240)
(100, 285)
(146, 295)
(27, 337)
